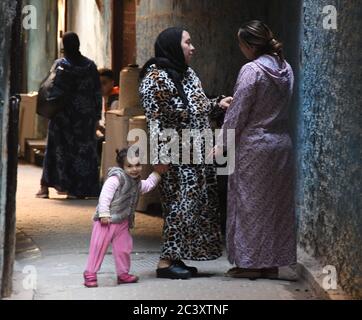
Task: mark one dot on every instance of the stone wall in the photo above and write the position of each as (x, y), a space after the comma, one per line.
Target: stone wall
(7, 13)
(329, 141)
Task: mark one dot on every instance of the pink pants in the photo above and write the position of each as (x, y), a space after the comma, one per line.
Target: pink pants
(122, 245)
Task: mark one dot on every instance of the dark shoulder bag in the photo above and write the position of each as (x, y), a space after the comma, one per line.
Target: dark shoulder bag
(52, 92)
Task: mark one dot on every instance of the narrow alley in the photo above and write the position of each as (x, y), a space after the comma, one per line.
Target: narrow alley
(53, 238)
(283, 77)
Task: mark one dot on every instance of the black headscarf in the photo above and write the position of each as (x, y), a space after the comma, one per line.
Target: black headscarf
(71, 46)
(170, 57)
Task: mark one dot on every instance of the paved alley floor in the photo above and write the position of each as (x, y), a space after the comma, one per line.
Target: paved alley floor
(53, 239)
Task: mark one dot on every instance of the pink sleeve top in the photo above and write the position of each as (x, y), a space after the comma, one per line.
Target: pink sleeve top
(112, 184)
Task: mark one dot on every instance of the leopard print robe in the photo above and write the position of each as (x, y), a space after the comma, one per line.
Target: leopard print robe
(188, 191)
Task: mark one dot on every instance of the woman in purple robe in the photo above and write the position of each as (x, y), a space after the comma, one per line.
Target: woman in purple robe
(261, 229)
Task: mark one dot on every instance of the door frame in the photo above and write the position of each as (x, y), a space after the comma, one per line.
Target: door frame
(117, 37)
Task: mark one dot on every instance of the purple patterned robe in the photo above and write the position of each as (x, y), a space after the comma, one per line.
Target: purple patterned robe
(261, 230)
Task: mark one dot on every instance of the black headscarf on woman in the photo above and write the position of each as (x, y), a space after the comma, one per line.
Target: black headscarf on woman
(71, 46)
(170, 57)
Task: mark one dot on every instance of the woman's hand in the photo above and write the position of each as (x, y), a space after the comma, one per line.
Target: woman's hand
(100, 126)
(225, 103)
(99, 134)
(100, 129)
(161, 168)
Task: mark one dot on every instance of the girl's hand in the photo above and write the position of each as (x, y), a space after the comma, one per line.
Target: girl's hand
(225, 103)
(105, 221)
(161, 168)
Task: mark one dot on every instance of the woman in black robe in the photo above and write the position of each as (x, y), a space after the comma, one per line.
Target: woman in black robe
(71, 163)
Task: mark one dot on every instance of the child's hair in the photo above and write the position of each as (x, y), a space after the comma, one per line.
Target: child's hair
(123, 153)
(105, 72)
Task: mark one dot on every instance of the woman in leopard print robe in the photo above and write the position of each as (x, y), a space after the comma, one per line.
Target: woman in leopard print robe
(189, 191)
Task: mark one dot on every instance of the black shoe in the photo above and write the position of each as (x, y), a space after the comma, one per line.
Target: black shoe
(173, 272)
(192, 270)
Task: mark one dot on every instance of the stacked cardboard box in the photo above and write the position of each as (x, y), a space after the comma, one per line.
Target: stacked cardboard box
(116, 138)
(27, 120)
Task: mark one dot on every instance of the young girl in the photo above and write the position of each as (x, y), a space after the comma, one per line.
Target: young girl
(115, 216)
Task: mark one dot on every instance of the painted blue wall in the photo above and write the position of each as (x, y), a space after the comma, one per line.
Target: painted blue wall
(329, 141)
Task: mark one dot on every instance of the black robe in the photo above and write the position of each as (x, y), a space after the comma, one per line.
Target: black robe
(71, 163)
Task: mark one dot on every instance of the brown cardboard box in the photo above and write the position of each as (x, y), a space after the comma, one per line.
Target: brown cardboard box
(27, 119)
(129, 101)
(129, 84)
(116, 138)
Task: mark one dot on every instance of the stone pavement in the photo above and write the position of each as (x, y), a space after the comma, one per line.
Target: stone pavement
(53, 238)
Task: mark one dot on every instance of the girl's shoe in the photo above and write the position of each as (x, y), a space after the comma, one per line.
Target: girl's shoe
(127, 278)
(91, 284)
(90, 280)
